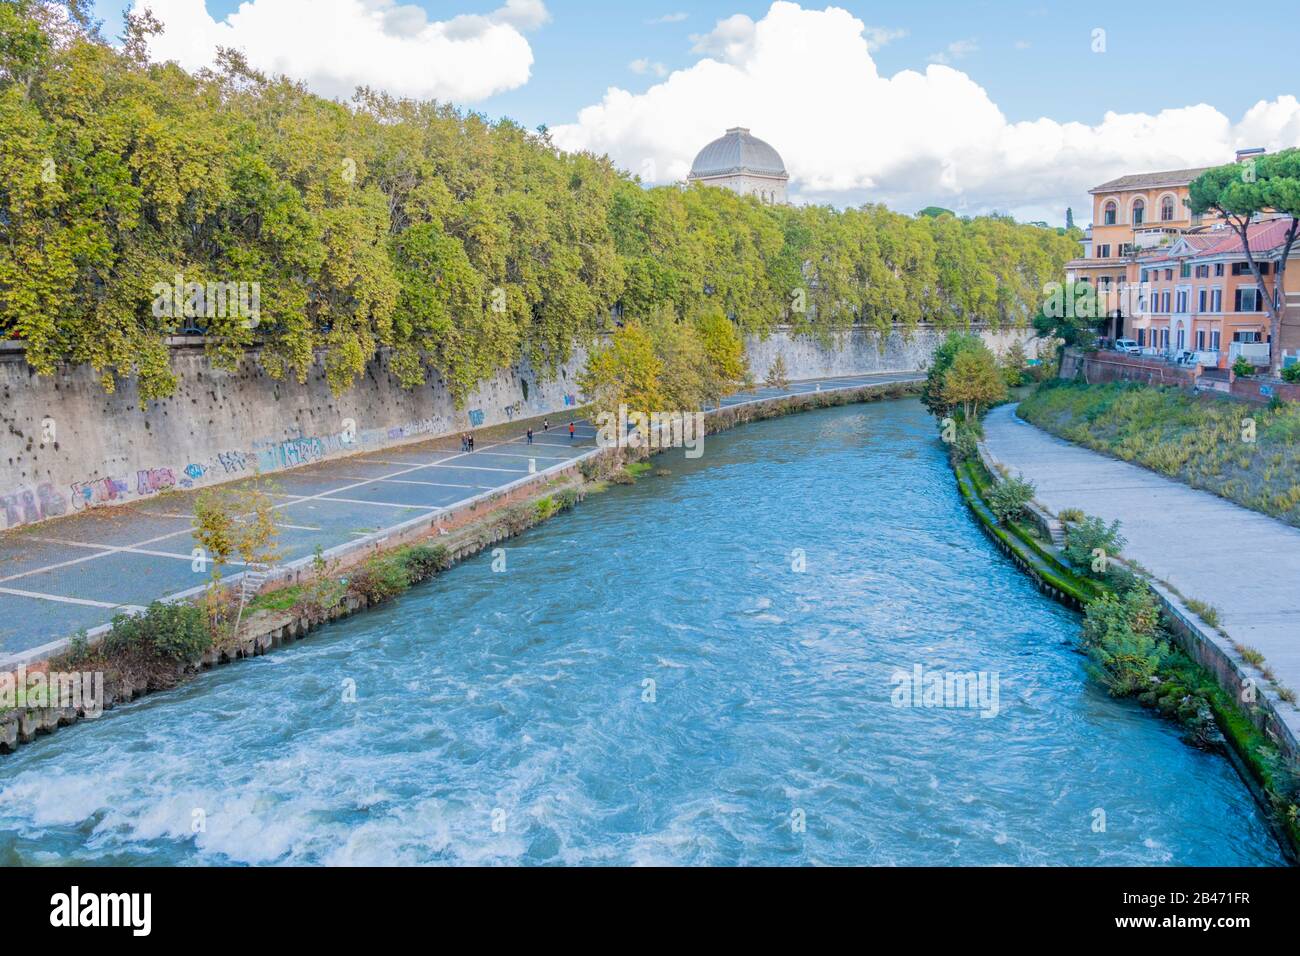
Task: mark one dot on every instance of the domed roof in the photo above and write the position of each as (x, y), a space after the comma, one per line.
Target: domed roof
(738, 152)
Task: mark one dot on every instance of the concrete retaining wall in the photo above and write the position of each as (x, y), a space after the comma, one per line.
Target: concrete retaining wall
(1098, 367)
(66, 445)
(857, 351)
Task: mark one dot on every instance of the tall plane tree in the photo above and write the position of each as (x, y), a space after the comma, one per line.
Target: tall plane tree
(1240, 191)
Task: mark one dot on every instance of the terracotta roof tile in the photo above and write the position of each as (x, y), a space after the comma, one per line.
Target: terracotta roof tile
(1170, 177)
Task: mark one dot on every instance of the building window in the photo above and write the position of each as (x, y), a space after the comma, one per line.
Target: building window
(1202, 300)
(1216, 300)
(1103, 251)
(1164, 302)
(1200, 340)
(1218, 270)
(1167, 209)
(1182, 339)
(1144, 275)
(1139, 210)
(1202, 272)
(1214, 340)
(1142, 338)
(1184, 270)
(1112, 211)
(1247, 300)
(1169, 275)
(1182, 302)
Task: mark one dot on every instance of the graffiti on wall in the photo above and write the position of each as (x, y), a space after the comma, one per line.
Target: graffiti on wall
(98, 491)
(24, 505)
(148, 481)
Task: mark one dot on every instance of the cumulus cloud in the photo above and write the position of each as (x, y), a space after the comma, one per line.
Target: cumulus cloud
(731, 39)
(955, 50)
(336, 45)
(879, 36)
(805, 81)
(641, 65)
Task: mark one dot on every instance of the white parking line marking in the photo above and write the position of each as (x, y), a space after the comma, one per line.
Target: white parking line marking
(41, 596)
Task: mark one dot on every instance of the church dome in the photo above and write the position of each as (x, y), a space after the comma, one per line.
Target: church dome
(737, 152)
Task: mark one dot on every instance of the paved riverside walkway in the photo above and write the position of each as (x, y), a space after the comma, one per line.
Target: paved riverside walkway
(1243, 562)
(77, 572)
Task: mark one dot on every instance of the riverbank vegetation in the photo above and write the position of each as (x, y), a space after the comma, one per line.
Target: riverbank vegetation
(1245, 453)
(454, 242)
(1125, 634)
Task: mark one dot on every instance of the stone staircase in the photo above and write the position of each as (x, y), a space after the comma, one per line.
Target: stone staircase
(255, 576)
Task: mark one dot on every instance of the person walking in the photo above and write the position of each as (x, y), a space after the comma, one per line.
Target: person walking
(546, 424)
(530, 436)
(464, 442)
(471, 441)
(571, 430)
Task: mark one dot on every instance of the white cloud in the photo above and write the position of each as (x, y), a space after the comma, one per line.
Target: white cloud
(643, 66)
(955, 51)
(669, 18)
(1023, 44)
(730, 39)
(879, 36)
(336, 45)
(805, 81)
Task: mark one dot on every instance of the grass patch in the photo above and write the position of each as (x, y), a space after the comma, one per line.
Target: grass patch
(1245, 453)
(1206, 612)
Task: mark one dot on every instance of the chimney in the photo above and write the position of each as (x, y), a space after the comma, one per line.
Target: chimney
(1245, 154)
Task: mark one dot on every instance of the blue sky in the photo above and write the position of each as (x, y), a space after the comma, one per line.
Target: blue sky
(1029, 60)
(1153, 59)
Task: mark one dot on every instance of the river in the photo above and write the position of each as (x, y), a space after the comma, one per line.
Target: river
(698, 669)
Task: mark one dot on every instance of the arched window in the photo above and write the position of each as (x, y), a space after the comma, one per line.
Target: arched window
(1139, 211)
(1111, 212)
(1167, 209)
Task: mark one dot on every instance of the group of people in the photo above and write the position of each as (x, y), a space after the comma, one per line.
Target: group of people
(467, 438)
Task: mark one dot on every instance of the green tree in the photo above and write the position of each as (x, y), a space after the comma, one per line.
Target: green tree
(1013, 364)
(777, 376)
(1069, 316)
(624, 372)
(973, 382)
(1241, 191)
(932, 392)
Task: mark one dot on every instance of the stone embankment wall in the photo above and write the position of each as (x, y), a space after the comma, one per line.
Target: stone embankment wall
(66, 445)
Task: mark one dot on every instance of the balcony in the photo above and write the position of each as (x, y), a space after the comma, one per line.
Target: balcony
(1256, 353)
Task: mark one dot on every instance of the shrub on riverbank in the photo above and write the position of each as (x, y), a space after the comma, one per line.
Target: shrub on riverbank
(1246, 453)
(1090, 543)
(176, 632)
(1124, 640)
(1008, 497)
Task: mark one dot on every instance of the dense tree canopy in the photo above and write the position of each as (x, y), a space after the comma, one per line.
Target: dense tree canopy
(455, 242)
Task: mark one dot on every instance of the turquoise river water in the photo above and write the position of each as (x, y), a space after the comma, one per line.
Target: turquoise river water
(651, 680)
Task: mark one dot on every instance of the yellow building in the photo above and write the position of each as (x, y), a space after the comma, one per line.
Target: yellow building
(1132, 216)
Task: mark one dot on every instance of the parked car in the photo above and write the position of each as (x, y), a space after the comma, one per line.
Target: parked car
(1128, 345)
